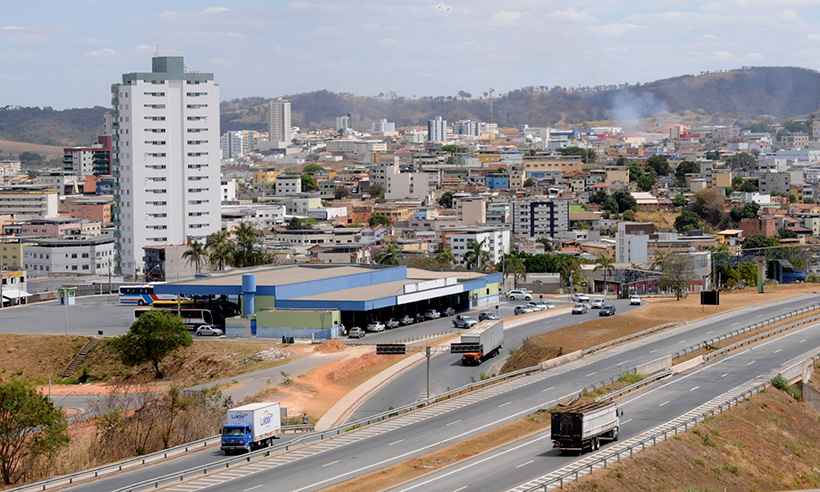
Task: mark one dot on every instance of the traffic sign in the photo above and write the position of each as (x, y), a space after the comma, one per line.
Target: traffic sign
(391, 348)
(464, 348)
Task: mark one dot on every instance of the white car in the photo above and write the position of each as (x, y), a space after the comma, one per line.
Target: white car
(580, 308)
(208, 331)
(375, 326)
(635, 301)
(581, 298)
(537, 306)
(598, 303)
(519, 295)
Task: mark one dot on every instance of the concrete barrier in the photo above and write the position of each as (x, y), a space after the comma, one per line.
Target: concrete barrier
(563, 359)
(689, 364)
(656, 365)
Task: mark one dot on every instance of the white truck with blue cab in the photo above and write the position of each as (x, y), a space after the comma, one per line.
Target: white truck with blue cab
(251, 427)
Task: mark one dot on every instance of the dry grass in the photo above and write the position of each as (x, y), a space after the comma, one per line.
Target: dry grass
(416, 467)
(15, 148)
(36, 358)
(664, 220)
(655, 312)
(768, 443)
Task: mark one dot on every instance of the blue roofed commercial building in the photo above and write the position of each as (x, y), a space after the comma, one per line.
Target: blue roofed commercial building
(311, 301)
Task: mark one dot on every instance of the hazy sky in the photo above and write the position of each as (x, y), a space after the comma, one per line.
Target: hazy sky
(67, 53)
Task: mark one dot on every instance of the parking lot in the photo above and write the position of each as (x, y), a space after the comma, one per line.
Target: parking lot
(88, 316)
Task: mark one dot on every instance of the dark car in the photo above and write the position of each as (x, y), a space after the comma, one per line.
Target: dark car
(485, 315)
(608, 310)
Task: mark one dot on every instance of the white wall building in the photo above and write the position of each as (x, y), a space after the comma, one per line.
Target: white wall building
(88, 256)
(343, 123)
(29, 202)
(386, 128)
(166, 159)
(228, 190)
(288, 184)
(233, 145)
(496, 242)
(261, 216)
(537, 217)
(437, 130)
(279, 124)
(400, 185)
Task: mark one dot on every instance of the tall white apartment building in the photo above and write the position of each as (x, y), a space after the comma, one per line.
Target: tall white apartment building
(166, 159)
(343, 122)
(437, 130)
(495, 241)
(233, 145)
(280, 124)
(540, 216)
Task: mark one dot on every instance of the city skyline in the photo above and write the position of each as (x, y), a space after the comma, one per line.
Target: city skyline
(410, 47)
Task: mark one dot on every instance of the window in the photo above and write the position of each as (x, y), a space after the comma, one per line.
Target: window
(154, 94)
(196, 106)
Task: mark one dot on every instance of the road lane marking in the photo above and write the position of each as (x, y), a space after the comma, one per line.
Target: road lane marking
(453, 422)
(395, 442)
(524, 464)
(694, 389)
(653, 351)
(751, 362)
(547, 389)
(591, 374)
(724, 374)
(254, 487)
(621, 363)
(778, 351)
(624, 422)
(461, 488)
(331, 463)
(504, 404)
(664, 403)
(803, 340)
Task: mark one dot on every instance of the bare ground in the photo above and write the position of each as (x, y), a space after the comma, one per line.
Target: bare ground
(654, 313)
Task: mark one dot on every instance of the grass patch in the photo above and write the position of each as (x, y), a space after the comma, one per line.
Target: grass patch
(780, 383)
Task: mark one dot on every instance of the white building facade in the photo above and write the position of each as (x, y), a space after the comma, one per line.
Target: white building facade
(280, 123)
(166, 159)
(496, 242)
(89, 256)
(537, 217)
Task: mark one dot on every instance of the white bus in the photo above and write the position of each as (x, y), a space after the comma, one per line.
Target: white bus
(142, 295)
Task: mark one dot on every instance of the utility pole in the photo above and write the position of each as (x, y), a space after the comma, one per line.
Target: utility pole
(427, 353)
(2, 267)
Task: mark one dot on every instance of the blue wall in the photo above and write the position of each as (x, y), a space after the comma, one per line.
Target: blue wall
(497, 181)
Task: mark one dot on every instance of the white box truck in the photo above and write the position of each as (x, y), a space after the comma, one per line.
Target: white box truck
(581, 427)
(251, 427)
(479, 343)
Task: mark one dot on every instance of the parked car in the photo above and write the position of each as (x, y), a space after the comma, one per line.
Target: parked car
(375, 326)
(523, 309)
(356, 332)
(461, 321)
(432, 314)
(635, 301)
(485, 315)
(519, 295)
(209, 331)
(608, 310)
(407, 320)
(597, 303)
(580, 308)
(449, 312)
(392, 323)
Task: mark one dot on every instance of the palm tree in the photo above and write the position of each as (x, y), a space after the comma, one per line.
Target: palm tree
(476, 256)
(605, 263)
(220, 249)
(445, 257)
(390, 255)
(195, 255)
(246, 235)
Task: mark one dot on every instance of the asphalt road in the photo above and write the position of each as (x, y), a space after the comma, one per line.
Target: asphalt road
(656, 407)
(534, 457)
(315, 472)
(86, 317)
(446, 371)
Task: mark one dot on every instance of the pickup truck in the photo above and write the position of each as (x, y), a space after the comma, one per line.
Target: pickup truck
(582, 427)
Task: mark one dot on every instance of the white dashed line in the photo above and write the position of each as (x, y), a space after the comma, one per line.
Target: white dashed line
(454, 422)
(504, 404)
(778, 351)
(664, 403)
(724, 374)
(395, 442)
(331, 463)
(621, 363)
(461, 488)
(803, 341)
(547, 389)
(751, 362)
(524, 464)
(254, 487)
(624, 422)
(694, 389)
(591, 374)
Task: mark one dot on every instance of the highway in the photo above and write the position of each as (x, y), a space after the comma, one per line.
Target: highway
(322, 464)
(534, 457)
(446, 371)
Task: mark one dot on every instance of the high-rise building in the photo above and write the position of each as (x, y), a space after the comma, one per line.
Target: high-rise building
(343, 123)
(166, 159)
(233, 145)
(87, 161)
(437, 130)
(386, 128)
(279, 124)
(537, 217)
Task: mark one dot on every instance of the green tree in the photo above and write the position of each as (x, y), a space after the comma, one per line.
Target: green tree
(446, 199)
(646, 181)
(31, 427)
(586, 155)
(514, 265)
(195, 255)
(659, 164)
(476, 257)
(676, 273)
(679, 200)
(687, 221)
(605, 263)
(152, 337)
(624, 201)
(742, 160)
(749, 186)
(245, 250)
(376, 191)
(220, 250)
(309, 183)
(529, 183)
(390, 255)
(299, 223)
(708, 205)
(312, 168)
(378, 219)
(445, 257)
(684, 168)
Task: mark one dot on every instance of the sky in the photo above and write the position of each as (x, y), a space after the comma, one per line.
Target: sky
(67, 53)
